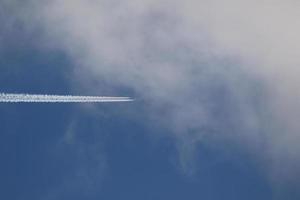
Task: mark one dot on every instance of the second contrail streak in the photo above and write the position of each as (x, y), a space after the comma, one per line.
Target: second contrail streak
(36, 98)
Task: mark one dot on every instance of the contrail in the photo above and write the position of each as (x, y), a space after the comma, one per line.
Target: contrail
(36, 98)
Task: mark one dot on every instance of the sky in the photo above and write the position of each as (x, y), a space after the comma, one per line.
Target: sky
(216, 95)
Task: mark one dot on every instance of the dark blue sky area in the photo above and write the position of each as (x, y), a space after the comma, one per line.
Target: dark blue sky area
(64, 151)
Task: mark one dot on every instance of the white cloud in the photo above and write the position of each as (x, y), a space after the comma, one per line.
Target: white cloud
(182, 55)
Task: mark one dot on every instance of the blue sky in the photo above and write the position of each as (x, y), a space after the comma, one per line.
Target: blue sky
(203, 126)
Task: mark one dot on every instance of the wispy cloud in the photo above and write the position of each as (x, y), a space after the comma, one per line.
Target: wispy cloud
(226, 68)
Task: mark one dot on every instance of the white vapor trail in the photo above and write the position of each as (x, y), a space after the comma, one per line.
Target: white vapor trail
(36, 98)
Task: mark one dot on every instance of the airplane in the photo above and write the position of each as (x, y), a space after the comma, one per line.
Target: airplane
(45, 98)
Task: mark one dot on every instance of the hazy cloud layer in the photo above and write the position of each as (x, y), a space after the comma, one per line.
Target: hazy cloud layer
(226, 68)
